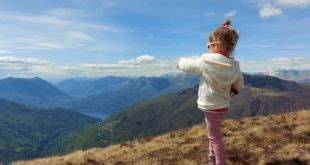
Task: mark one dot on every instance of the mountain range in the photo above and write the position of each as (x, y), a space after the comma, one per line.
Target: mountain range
(27, 132)
(302, 76)
(166, 106)
(107, 94)
(103, 95)
(81, 88)
(264, 95)
(125, 92)
(33, 92)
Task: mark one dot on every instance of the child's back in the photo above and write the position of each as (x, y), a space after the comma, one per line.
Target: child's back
(219, 76)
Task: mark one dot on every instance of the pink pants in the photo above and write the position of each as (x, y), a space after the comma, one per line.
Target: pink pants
(216, 145)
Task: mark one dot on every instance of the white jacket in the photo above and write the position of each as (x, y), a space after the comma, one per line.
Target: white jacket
(218, 74)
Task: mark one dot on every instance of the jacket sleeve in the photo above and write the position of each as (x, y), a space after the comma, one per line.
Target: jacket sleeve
(238, 84)
(189, 65)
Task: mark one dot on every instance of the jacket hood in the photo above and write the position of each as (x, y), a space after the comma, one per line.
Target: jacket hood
(225, 69)
(218, 59)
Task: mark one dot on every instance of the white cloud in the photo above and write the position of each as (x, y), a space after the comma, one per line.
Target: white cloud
(80, 36)
(282, 61)
(59, 28)
(293, 3)
(30, 67)
(36, 42)
(157, 67)
(138, 60)
(9, 60)
(145, 65)
(108, 66)
(20, 67)
(268, 10)
(4, 51)
(231, 13)
(145, 59)
(274, 64)
(59, 20)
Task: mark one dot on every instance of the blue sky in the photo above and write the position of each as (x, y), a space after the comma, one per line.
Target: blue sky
(61, 39)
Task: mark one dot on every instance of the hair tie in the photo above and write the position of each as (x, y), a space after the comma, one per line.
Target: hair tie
(226, 26)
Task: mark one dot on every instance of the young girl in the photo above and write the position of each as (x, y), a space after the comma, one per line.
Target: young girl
(220, 77)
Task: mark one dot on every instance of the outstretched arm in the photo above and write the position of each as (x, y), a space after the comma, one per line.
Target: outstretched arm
(189, 65)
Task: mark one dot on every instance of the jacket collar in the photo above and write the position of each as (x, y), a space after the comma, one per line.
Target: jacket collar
(226, 54)
(218, 58)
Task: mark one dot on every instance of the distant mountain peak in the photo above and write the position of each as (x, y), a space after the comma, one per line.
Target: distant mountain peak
(22, 78)
(291, 74)
(36, 78)
(31, 91)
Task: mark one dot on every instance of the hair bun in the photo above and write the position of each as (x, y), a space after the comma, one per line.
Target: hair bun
(227, 23)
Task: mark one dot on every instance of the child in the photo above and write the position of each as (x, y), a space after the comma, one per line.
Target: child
(220, 77)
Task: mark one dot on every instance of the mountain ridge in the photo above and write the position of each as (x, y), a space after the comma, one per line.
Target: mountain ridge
(32, 92)
(27, 132)
(142, 88)
(302, 76)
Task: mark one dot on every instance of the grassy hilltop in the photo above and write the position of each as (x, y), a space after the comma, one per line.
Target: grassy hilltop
(273, 139)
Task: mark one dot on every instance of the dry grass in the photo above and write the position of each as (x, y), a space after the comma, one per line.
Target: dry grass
(267, 92)
(260, 140)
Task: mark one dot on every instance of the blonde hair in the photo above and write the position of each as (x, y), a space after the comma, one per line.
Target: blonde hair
(227, 36)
